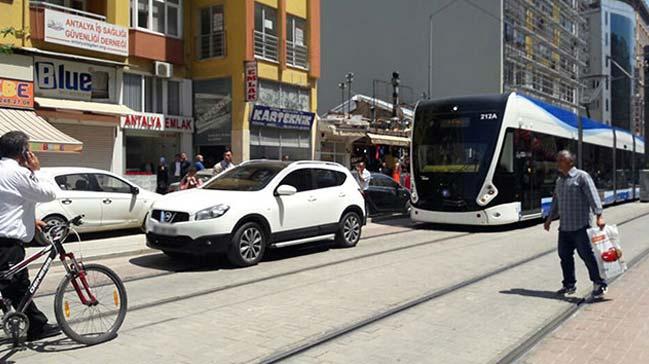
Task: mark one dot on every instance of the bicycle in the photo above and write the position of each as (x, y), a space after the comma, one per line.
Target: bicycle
(80, 298)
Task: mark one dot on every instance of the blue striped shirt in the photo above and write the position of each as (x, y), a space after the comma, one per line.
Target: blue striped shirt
(575, 195)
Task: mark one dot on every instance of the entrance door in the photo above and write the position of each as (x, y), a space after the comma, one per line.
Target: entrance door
(526, 172)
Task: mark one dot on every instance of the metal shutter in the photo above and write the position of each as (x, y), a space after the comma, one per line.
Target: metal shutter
(98, 142)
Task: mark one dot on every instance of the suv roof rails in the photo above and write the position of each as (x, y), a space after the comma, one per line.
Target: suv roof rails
(318, 162)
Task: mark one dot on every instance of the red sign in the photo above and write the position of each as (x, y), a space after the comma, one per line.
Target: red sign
(251, 81)
(179, 123)
(15, 93)
(144, 122)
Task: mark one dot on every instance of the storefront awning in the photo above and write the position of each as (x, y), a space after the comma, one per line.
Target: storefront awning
(93, 107)
(43, 137)
(388, 140)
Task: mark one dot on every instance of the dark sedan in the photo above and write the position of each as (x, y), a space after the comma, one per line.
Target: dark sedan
(385, 195)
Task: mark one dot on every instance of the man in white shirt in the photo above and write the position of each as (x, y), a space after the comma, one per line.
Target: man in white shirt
(364, 176)
(225, 164)
(20, 191)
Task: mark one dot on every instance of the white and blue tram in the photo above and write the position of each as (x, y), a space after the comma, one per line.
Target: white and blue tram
(490, 160)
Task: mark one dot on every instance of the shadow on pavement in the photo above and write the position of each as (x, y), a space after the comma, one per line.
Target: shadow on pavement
(53, 345)
(478, 229)
(542, 294)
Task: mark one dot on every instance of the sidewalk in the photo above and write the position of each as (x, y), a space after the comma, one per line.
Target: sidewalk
(613, 331)
(136, 244)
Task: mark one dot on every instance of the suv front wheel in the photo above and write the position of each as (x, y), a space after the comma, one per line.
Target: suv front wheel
(248, 245)
(349, 230)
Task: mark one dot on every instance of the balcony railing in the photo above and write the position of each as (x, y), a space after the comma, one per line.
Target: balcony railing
(266, 46)
(45, 5)
(297, 55)
(210, 45)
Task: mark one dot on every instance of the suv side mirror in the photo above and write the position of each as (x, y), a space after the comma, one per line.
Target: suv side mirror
(135, 190)
(285, 190)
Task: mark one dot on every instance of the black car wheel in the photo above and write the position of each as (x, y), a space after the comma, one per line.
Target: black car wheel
(349, 231)
(248, 245)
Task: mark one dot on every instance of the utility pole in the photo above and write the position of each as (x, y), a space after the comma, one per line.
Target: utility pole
(342, 87)
(430, 53)
(350, 78)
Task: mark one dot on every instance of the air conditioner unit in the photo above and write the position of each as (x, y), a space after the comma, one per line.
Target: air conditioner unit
(163, 69)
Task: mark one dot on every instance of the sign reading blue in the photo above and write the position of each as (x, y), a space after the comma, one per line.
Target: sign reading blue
(281, 118)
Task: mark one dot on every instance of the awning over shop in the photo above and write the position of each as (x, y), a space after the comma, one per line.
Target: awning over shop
(93, 107)
(43, 136)
(388, 140)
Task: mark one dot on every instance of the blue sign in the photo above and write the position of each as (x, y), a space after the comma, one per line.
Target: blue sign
(281, 118)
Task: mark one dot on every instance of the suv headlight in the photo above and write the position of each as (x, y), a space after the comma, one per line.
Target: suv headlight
(212, 212)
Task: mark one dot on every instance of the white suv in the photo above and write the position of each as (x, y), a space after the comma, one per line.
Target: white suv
(256, 205)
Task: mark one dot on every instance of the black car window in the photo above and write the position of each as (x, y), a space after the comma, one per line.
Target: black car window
(111, 184)
(327, 178)
(381, 180)
(74, 182)
(302, 180)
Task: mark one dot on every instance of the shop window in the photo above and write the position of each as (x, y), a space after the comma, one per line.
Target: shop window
(111, 184)
(211, 41)
(161, 16)
(158, 94)
(148, 94)
(266, 41)
(173, 97)
(100, 85)
(296, 48)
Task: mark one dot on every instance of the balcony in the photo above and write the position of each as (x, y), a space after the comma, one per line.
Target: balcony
(210, 45)
(266, 46)
(297, 55)
(155, 46)
(37, 15)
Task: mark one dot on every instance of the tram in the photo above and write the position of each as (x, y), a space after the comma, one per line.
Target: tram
(490, 160)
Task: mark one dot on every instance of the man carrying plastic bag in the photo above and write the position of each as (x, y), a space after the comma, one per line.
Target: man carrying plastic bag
(575, 196)
(606, 246)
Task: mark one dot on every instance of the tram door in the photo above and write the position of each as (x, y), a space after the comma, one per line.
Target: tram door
(528, 184)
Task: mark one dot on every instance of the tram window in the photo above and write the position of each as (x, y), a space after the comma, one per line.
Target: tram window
(638, 166)
(506, 162)
(623, 170)
(603, 176)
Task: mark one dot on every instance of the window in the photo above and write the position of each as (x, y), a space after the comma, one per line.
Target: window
(380, 180)
(325, 178)
(302, 180)
(148, 94)
(73, 4)
(74, 182)
(111, 184)
(211, 41)
(296, 50)
(266, 42)
(158, 95)
(250, 177)
(283, 95)
(161, 16)
(173, 97)
(100, 85)
(133, 91)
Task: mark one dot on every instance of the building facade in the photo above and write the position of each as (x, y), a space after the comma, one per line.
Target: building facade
(255, 67)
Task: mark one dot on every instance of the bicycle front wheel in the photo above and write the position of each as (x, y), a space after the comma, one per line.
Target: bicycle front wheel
(91, 312)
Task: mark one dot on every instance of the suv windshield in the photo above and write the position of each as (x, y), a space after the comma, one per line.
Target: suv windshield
(250, 177)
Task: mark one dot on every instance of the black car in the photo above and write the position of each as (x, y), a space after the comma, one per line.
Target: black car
(385, 195)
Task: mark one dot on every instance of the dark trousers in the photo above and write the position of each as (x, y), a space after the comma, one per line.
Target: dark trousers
(12, 252)
(568, 242)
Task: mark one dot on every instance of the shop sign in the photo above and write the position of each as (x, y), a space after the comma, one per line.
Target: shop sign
(86, 33)
(154, 122)
(19, 94)
(182, 124)
(281, 118)
(71, 80)
(158, 122)
(252, 82)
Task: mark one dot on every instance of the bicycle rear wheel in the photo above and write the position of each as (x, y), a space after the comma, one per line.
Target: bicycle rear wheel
(91, 322)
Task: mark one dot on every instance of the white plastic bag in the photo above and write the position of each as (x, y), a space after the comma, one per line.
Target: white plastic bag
(608, 252)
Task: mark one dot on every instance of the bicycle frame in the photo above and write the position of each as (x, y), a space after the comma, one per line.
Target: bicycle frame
(74, 270)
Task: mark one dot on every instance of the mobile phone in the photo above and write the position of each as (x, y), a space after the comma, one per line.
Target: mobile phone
(25, 154)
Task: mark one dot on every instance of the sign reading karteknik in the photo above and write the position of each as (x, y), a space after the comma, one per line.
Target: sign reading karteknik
(281, 118)
(91, 34)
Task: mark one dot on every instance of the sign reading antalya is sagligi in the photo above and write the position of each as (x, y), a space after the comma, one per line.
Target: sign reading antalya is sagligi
(76, 31)
(281, 118)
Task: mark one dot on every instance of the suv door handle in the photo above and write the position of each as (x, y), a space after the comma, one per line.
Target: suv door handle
(67, 201)
(312, 199)
(342, 194)
(107, 201)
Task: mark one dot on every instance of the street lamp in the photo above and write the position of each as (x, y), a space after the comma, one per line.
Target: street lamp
(342, 86)
(350, 78)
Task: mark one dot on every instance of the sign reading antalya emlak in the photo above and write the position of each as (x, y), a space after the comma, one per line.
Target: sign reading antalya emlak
(81, 32)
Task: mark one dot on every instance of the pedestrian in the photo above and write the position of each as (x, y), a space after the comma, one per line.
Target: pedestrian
(285, 158)
(162, 177)
(20, 191)
(363, 176)
(190, 181)
(384, 169)
(199, 162)
(185, 164)
(396, 172)
(177, 168)
(226, 163)
(575, 196)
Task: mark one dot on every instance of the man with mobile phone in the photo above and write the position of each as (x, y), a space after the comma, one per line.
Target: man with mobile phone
(20, 191)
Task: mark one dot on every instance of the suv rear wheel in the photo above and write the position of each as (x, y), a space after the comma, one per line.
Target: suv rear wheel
(248, 245)
(349, 230)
